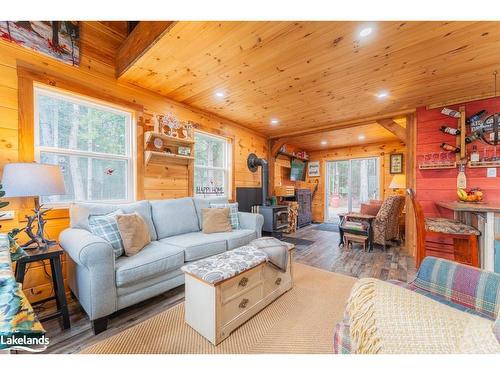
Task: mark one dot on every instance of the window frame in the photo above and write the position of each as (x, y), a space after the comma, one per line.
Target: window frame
(130, 136)
(227, 168)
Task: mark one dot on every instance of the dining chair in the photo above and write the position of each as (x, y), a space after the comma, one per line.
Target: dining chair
(464, 237)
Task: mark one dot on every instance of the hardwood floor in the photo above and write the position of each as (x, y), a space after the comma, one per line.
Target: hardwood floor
(322, 253)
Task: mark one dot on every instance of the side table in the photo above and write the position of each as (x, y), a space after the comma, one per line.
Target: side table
(53, 255)
(358, 217)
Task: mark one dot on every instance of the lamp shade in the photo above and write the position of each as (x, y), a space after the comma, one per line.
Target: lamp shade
(398, 182)
(32, 180)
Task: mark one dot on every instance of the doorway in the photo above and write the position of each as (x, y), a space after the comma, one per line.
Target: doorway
(349, 183)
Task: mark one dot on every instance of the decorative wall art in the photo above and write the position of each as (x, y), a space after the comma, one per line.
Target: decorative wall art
(396, 165)
(57, 39)
(313, 169)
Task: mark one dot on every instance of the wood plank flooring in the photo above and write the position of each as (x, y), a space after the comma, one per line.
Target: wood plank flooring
(323, 253)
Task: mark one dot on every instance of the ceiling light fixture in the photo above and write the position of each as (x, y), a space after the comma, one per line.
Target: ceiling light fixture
(361, 137)
(219, 94)
(274, 121)
(382, 94)
(323, 143)
(365, 32)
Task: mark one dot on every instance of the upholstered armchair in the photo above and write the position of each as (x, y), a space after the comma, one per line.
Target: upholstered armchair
(383, 226)
(386, 223)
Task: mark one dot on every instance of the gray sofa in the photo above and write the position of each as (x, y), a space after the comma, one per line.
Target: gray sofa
(104, 284)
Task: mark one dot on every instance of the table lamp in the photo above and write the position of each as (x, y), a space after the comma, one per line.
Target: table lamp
(398, 183)
(33, 180)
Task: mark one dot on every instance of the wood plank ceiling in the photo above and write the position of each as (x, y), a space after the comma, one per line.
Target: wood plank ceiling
(314, 74)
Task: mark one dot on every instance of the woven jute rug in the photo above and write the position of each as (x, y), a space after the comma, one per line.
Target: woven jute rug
(300, 321)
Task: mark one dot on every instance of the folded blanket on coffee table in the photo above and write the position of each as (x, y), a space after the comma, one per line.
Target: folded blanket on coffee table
(277, 251)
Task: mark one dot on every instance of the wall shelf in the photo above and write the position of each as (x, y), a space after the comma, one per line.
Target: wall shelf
(484, 164)
(162, 158)
(292, 156)
(437, 166)
(150, 136)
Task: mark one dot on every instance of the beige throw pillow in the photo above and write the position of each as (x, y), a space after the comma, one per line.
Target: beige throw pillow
(134, 232)
(216, 220)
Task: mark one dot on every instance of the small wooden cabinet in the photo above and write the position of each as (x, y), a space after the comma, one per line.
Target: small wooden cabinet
(304, 199)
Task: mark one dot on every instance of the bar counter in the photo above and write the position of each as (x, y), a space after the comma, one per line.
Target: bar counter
(485, 213)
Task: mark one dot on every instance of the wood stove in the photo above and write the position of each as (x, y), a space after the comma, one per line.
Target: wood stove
(275, 219)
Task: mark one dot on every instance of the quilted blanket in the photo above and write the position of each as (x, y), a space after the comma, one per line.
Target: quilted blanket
(387, 319)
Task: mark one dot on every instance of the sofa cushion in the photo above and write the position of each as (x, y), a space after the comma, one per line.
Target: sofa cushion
(154, 260)
(201, 203)
(106, 227)
(216, 220)
(233, 213)
(80, 212)
(197, 245)
(174, 216)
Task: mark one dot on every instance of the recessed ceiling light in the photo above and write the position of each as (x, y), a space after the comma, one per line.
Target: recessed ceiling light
(323, 143)
(361, 137)
(365, 32)
(219, 94)
(382, 94)
(275, 121)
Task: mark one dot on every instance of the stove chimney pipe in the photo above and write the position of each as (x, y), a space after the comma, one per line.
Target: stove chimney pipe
(253, 162)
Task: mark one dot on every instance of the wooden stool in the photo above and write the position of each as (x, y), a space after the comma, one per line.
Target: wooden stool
(350, 238)
(464, 237)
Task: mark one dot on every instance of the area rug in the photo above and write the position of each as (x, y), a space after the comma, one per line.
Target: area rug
(327, 227)
(301, 321)
(300, 243)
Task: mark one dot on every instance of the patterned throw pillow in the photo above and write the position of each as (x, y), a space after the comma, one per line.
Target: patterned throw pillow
(105, 226)
(233, 213)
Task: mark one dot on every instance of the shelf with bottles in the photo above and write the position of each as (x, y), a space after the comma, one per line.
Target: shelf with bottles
(489, 157)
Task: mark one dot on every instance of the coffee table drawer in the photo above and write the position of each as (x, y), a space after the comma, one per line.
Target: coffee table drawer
(240, 283)
(274, 278)
(241, 303)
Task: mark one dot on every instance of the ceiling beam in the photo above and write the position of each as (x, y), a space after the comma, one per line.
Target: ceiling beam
(394, 128)
(343, 125)
(140, 40)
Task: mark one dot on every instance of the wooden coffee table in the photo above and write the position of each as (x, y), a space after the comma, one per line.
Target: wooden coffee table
(219, 298)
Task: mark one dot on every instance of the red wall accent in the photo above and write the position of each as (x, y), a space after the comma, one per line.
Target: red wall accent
(435, 185)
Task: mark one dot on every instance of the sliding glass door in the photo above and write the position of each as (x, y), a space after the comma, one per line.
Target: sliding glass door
(350, 183)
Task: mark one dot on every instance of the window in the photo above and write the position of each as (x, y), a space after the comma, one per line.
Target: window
(211, 170)
(91, 142)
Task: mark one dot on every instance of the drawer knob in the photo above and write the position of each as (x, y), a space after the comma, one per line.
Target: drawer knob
(243, 281)
(278, 281)
(243, 303)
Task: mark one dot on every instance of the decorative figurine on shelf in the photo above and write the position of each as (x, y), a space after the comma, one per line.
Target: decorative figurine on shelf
(187, 130)
(168, 124)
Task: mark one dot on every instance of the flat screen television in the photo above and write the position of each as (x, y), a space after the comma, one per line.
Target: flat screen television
(297, 172)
